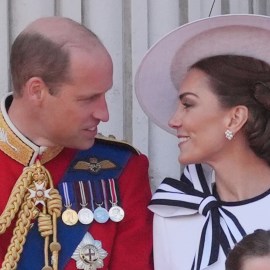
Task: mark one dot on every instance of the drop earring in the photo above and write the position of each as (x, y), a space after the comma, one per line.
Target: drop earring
(228, 134)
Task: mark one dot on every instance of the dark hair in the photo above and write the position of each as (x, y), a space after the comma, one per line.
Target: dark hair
(256, 244)
(241, 80)
(35, 55)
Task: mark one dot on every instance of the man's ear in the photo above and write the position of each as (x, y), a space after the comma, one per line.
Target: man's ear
(35, 88)
(238, 117)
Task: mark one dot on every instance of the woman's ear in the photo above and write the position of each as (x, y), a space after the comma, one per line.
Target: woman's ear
(238, 117)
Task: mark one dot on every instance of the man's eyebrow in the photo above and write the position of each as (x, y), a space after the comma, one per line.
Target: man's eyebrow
(186, 94)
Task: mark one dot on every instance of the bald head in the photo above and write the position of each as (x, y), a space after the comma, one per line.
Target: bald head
(63, 31)
(43, 50)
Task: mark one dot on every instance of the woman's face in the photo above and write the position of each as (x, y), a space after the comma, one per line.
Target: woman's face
(199, 120)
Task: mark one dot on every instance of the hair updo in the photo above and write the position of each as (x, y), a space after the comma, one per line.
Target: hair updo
(242, 80)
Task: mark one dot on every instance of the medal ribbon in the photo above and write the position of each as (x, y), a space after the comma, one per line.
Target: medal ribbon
(221, 228)
(91, 197)
(113, 193)
(98, 192)
(66, 189)
(105, 194)
(84, 203)
(84, 198)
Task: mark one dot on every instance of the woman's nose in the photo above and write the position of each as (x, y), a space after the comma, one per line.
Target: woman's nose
(176, 120)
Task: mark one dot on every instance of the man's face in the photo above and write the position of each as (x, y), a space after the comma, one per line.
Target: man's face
(70, 117)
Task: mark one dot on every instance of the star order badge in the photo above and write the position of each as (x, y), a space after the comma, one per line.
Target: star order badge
(39, 194)
(89, 254)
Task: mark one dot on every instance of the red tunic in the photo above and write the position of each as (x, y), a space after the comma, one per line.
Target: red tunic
(128, 243)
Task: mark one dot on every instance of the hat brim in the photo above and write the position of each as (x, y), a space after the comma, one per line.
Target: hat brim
(165, 64)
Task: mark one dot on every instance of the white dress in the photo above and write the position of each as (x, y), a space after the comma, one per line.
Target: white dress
(178, 223)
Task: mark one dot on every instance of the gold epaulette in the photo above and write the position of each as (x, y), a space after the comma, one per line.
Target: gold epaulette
(112, 140)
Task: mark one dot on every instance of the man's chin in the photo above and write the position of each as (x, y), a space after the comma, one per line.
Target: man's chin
(82, 145)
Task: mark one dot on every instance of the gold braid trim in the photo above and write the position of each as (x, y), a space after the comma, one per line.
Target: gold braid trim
(36, 178)
(27, 213)
(55, 209)
(15, 199)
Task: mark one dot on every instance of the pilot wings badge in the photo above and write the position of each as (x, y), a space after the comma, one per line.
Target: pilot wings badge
(89, 254)
(94, 165)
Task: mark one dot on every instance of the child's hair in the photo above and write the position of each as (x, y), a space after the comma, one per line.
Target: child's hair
(256, 244)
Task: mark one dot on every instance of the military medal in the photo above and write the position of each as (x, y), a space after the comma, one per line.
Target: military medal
(101, 215)
(69, 216)
(85, 215)
(89, 254)
(116, 213)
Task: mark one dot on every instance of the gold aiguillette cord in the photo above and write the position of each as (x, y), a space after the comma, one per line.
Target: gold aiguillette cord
(37, 181)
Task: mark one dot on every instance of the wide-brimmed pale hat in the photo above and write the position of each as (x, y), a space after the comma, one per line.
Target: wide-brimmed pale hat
(157, 89)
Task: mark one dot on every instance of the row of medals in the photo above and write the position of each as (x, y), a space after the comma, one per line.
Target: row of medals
(86, 216)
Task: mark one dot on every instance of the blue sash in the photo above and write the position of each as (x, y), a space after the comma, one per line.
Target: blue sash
(69, 237)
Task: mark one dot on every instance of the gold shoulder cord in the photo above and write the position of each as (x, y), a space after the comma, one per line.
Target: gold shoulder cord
(37, 180)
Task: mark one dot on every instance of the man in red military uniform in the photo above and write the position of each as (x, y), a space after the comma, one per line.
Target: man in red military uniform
(68, 198)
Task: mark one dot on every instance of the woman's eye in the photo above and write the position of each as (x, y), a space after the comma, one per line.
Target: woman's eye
(186, 104)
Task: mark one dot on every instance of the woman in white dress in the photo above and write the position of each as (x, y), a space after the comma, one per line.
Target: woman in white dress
(208, 82)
